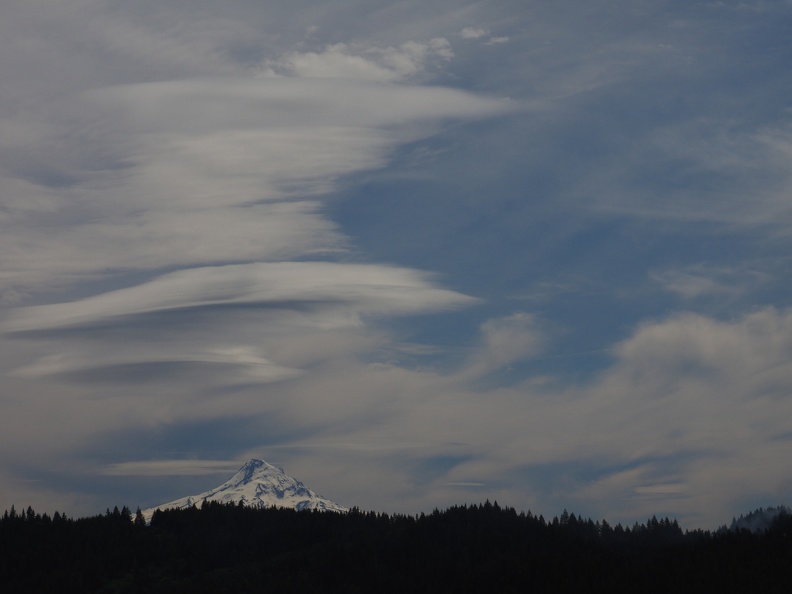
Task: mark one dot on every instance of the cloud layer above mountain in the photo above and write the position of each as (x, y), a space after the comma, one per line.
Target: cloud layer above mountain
(417, 254)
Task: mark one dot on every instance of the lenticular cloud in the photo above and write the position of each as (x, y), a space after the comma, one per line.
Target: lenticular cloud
(367, 289)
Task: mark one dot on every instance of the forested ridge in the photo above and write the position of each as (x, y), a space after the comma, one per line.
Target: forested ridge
(477, 548)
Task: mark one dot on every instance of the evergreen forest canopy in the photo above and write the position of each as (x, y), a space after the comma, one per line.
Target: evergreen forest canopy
(478, 548)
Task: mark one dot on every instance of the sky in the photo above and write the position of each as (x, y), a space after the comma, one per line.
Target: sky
(417, 253)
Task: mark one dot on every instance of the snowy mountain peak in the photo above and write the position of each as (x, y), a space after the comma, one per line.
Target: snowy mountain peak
(257, 484)
(252, 470)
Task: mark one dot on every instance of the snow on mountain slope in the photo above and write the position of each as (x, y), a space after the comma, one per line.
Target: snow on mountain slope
(257, 484)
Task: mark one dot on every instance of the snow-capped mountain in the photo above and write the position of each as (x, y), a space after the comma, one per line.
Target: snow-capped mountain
(257, 484)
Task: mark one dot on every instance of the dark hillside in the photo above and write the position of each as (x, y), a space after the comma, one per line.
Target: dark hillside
(475, 548)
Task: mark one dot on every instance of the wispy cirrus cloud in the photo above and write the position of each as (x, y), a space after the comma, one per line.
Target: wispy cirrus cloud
(360, 62)
(700, 281)
(193, 181)
(173, 468)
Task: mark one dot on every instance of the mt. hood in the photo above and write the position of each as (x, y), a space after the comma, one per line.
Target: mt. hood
(257, 484)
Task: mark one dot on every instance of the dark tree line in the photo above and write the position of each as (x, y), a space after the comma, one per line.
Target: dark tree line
(478, 548)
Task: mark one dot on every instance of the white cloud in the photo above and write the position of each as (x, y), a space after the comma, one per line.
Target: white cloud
(692, 344)
(366, 289)
(266, 322)
(154, 149)
(200, 171)
(186, 154)
(505, 340)
(689, 403)
(360, 62)
(497, 40)
(249, 365)
(197, 171)
(476, 33)
(163, 237)
(473, 33)
(690, 407)
(701, 281)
